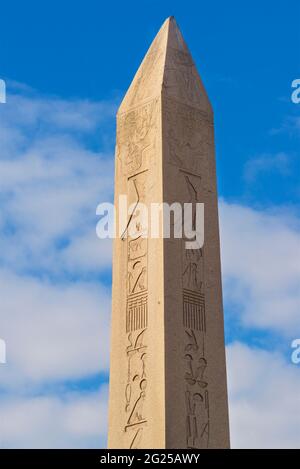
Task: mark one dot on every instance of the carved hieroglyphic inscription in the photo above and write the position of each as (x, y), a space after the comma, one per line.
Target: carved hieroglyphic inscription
(194, 323)
(193, 310)
(136, 149)
(135, 392)
(136, 313)
(196, 394)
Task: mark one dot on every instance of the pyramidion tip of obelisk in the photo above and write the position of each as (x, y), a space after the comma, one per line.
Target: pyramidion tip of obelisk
(169, 70)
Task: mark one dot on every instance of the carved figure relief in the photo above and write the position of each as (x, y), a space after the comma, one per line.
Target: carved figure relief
(136, 137)
(189, 138)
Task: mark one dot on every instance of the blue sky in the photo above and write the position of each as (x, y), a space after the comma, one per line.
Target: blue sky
(67, 66)
(247, 54)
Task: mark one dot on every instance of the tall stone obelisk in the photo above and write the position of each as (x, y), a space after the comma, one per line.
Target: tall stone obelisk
(168, 372)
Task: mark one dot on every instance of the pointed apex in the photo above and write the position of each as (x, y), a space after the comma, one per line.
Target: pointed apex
(181, 79)
(167, 69)
(175, 38)
(148, 79)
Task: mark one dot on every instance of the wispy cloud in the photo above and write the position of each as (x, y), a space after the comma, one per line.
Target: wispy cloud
(290, 125)
(267, 164)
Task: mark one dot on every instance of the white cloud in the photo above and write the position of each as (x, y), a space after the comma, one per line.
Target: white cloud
(54, 315)
(261, 266)
(51, 183)
(261, 277)
(86, 253)
(52, 332)
(264, 399)
(56, 322)
(72, 420)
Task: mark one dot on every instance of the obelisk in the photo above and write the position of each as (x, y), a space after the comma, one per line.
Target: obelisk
(167, 372)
